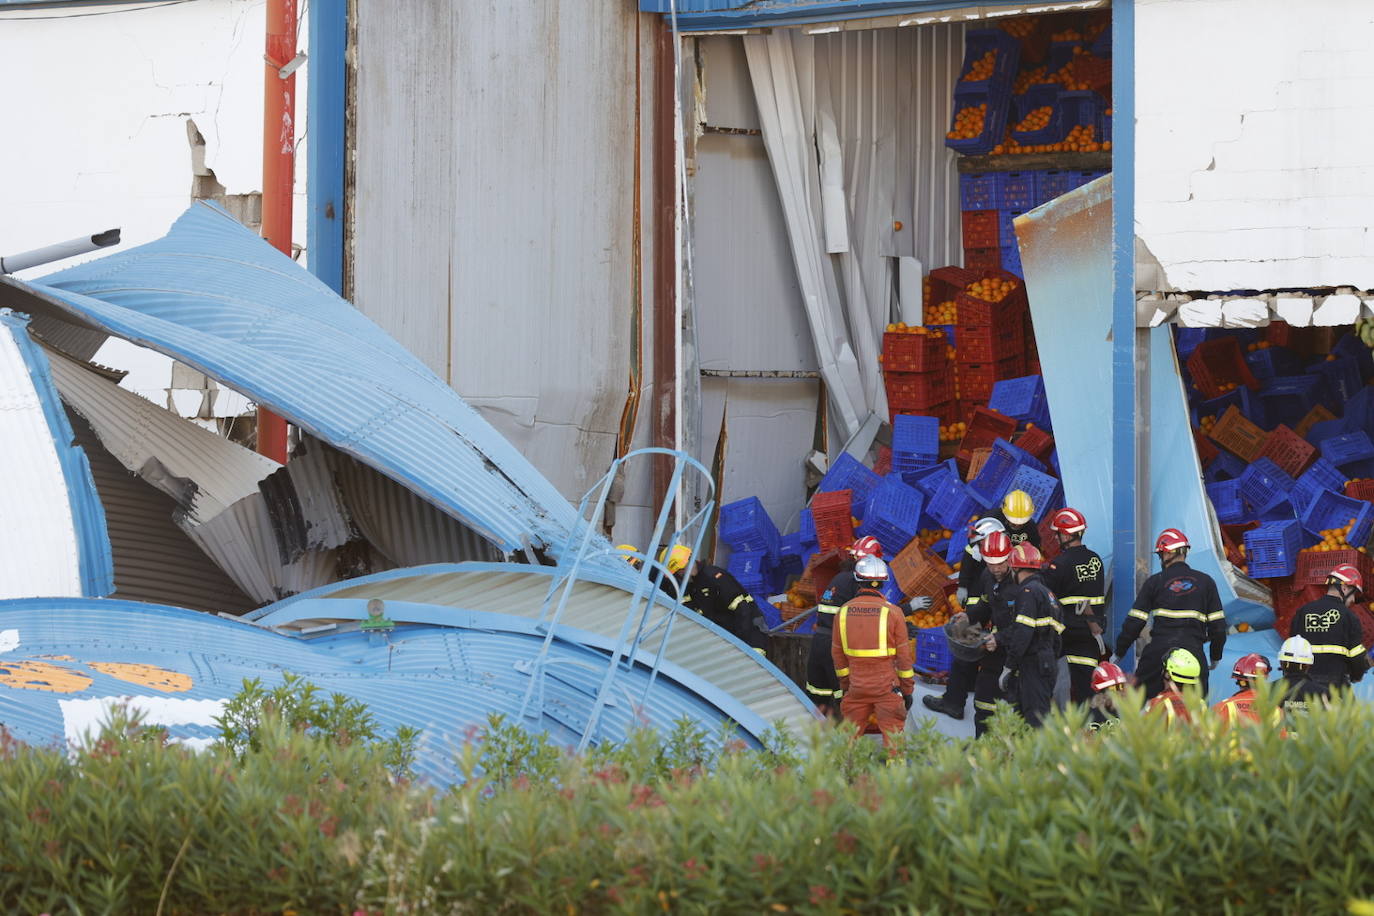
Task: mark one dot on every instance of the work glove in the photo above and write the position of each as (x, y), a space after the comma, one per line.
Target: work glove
(906, 701)
(1004, 680)
(1101, 646)
(962, 596)
(990, 643)
(920, 603)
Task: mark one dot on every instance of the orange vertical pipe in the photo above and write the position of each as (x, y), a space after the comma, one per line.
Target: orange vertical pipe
(278, 170)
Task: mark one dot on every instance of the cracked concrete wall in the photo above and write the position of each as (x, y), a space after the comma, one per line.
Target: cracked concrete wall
(1254, 122)
(97, 136)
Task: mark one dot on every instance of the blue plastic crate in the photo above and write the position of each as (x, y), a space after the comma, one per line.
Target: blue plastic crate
(932, 650)
(1350, 346)
(1036, 96)
(1052, 132)
(928, 479)
(1104, 127)
(1262, 480)
(752, 569)
(1186, 341)
(1342, 377)
(1224, 467)
(808, 527)
(994, 477)
(1332, 510)
(1015, 190)
(1349, 451)
(1272, 549)
(789, 566)
(1287, 399)
(745, 525)
(1059, 54)
(952, 504)
(915, 442)
(953, 551)
(848, 473)
(977, 42)
(1044, 490)
(1226, 501)
(791, 545)
(1022, 398)
(1278, 509)
(1102, 44)
(994, 120)
(1080, 107)
(892, 591)
(978, 191)
(1011, 259)
(893, 514)
(1006, 230)
(1272, 361)
(948, 330)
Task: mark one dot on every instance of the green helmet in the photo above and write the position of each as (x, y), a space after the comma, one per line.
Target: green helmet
(1183, 667)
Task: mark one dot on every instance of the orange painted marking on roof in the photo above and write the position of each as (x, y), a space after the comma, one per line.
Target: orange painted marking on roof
(34, 675)
(146, 675)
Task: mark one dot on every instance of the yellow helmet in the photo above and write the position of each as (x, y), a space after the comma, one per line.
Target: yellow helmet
(1183, 667)
(1018, 507)
(678, 559)
(629, 553)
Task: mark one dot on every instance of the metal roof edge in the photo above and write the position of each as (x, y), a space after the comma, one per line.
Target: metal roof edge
(95, 555)
(747, 15)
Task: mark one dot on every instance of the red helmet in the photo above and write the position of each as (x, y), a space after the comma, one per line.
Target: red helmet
(1068, 521)
(996, 547)
(1170, 539)
(866, 546)
(1026, 556)
(1348, 575)
(1252, 666)
(1108, 675)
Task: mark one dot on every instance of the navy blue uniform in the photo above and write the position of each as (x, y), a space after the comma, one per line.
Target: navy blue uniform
(1033, 646)
(1076, 577)
(994, 611)
(1338, 650)
(821, 684)
(717, 595)
(1187, 612)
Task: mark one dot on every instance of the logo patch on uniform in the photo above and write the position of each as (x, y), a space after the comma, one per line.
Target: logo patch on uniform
(1089, 570)
(1320, 623)
(829, 593)
(1181, 586)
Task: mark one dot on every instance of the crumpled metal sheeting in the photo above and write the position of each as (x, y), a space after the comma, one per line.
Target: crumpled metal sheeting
(305, 502)
(445, 681)
(160, 446)
(731, 675)
(215, 296)
(242, 542)
(53, 539)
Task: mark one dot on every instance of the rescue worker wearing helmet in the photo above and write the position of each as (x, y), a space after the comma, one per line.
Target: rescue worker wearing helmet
(1334, 632)
(872, 654)
(972, 589)
(821, 684)
(717, 595)
(1015, 517)
(1249, 670)
(994, 613)
(1077, 578)
(1300, 693)
(1186, 611)
(1108, 684)
(1182, 671)
(1032, 639)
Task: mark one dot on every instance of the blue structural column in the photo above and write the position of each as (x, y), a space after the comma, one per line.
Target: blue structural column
(326, 101)
(1124, 418)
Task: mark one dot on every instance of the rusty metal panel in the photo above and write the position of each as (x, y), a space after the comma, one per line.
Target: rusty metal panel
(498, 142)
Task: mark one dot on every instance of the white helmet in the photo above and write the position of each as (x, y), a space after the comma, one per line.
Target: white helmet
(1296, 650)
(870, 569)
(979, 532)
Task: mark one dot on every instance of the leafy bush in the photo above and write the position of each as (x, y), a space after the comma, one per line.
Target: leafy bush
(1142, 818)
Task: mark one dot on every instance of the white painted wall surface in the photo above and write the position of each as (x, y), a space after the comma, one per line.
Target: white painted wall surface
(1255, 122)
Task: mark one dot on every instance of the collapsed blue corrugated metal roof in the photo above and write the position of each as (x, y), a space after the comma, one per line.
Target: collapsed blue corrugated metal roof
(94, 558)
(64, 662)
(710, 15)
(218, 298)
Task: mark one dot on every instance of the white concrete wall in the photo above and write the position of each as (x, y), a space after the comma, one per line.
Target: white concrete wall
(1255, 122)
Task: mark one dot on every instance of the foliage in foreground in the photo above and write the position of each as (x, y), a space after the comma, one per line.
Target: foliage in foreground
(1141, 819)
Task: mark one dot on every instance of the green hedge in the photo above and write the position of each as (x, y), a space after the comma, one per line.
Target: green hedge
(1141, 819)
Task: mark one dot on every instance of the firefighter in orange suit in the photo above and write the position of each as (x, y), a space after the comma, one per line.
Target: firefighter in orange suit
(872, 654)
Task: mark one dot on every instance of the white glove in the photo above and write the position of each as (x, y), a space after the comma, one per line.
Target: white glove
(920, 603)
(962, 595)
(1003, 680)
(1101, 646)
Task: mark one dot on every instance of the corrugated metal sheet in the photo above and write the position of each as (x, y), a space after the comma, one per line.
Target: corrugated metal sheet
(306, 508)
(727, 672)
(498, 141)
(441, 679)
(154, 560)
(712, 15)
(52, 538)
(203, 472)
(221, 300)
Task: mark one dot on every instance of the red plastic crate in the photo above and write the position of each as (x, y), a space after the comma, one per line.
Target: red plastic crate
(916, 390)
(1360, 488)
(946, 413)
(985, 425)
(980, 228)
(983, 258)
(1317, 414)
(946, 283)
(1238, 435)
(1366, 623)
(1216, 364)
(1049, 542)
(1206, 451)
(833, 517)
(1288, 597)
(1280, 333)
(906, 351)
(1314, 565)
(987, 345)
(1232, 536)
(975, 311)
(1037, 442)
(1288, 450)
(976, 379)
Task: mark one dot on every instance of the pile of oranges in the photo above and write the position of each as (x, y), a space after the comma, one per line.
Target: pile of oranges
(1224, 387)
(1261, 345)
(1206, 424)
(981, 68)
(1019, 28)
(942, 313)
(901, 327)
(1080, 140)
(1067, 35)
(991, 289)
(1037, 119)
(1028, 78)
(968, 123)
(953, 433)
(928, 536)
(937, 615)
(1335, 539)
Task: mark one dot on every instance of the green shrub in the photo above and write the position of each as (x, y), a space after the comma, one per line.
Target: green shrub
(1142, 818)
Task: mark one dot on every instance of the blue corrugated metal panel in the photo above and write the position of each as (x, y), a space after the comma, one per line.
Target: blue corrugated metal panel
(710, 15)
(325, 151)
(443, 680)
(94, 555)
(218, 298)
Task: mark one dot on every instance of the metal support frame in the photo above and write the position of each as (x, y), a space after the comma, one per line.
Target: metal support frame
(653, 577)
